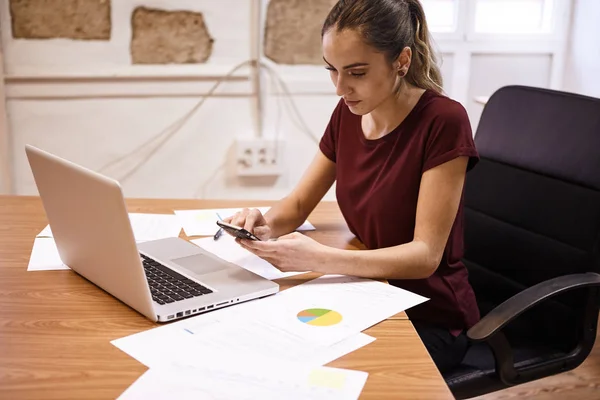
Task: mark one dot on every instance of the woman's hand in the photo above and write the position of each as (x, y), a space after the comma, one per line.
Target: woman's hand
(294, 252)
(253, 221)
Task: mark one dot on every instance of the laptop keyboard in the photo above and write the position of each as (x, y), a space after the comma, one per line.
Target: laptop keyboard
(168, 286)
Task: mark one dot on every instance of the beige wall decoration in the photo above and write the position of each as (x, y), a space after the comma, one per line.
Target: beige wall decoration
(70, 19)
(293, 30)
(169, 37)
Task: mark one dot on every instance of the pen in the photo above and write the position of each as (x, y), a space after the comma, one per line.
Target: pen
(220, 231)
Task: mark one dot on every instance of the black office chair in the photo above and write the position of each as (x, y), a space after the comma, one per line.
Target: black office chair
(532, 238)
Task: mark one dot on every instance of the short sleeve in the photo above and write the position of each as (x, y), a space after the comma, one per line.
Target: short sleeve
(450, 137)
(328, 142)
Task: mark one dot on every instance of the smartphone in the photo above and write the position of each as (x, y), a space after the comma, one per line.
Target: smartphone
(237, 231)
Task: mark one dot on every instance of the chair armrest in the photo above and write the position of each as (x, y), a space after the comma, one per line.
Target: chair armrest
(504, 313)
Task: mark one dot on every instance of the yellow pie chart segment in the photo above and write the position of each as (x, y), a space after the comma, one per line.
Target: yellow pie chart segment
(319, 317)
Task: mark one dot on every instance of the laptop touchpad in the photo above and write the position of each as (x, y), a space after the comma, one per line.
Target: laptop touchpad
(198, 264)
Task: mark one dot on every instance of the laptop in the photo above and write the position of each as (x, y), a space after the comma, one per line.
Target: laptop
(164, 279)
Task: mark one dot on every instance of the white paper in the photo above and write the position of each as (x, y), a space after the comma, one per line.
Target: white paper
(44, 256)
(204, 222)
(227, 249)
(306, 226)
(234, 335)
(341, 348)
(274, 329)
(359, 304)
(195, 343)
(154, 226)
(46, 232)
(145, 227)
(207, 383)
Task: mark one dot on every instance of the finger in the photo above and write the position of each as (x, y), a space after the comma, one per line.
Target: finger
(271, 261)
(263, 232)
(256, 252)
(265, 246)
(260, 253)
(253, 218)
(231, 219)
(239, 219)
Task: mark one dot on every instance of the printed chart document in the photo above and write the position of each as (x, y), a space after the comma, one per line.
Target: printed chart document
(232, 336)
(301, 323)
(227, 249)
(238, 335)
(180, 383)
(303, 327)
(145, 226)
(330, 308)
(204, 222)
(44, 256)
(213, 342)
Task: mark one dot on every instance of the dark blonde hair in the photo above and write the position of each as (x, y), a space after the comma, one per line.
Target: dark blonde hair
(389, 26)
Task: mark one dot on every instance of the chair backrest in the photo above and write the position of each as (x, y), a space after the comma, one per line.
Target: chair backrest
(532, 204)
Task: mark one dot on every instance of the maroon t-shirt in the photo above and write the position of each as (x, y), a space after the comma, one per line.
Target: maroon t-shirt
(378, 188)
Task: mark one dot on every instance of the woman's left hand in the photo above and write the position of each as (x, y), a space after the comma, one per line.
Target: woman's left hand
(294, 252)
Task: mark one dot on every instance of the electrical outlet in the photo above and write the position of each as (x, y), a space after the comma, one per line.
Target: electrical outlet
(258, 157)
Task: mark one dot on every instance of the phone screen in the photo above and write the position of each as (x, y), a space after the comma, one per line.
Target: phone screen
(237, 231)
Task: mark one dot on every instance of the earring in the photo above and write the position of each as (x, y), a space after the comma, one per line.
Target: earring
(401, 73)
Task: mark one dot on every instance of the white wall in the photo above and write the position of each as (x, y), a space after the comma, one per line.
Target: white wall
(84, 101)
(582, 72)
(489, 72)
(73, 57)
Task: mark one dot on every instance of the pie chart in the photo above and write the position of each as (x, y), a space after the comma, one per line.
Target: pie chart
(320, 317)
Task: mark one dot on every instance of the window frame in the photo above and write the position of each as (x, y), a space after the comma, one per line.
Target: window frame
(459, 32)
(465, 43)
(558, 24)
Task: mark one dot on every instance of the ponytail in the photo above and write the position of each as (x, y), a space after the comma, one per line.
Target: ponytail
(389, 26)
(424, 71)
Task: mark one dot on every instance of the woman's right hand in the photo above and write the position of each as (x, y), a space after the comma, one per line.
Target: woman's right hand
(253, 221)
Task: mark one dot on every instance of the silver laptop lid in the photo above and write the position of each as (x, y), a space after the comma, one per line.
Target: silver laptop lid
(91, 227)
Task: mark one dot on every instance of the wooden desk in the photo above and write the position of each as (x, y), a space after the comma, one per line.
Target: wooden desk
(55, 327)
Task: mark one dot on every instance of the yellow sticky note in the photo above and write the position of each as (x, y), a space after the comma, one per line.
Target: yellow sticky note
(205, 216)
(327, 378)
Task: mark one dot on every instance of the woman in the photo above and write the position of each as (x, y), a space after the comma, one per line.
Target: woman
(399, 151)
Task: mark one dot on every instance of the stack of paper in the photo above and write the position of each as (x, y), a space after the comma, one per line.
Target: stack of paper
(172, 382)
(303, 327)
(44, 254)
